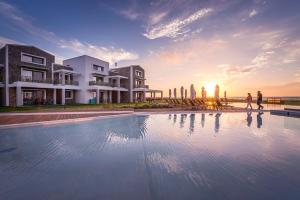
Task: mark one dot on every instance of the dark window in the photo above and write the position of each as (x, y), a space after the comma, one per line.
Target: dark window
(32, 59)
(98, 68)
(68, 94)
(39, 76)
(38, 60)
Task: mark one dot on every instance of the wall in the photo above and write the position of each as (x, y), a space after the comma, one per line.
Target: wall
(14, 54)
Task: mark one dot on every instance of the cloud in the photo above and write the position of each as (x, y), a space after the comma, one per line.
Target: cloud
(175, 27)
(21, 21)
(253, 13)
(130, 14)
(4, 41)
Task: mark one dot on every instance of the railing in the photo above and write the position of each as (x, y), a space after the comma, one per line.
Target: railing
(71, 82)
(100, 83)
(67, 82)
(141, 86)
(31, 79)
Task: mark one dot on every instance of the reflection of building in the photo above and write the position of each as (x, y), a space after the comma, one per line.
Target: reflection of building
(137, 128)
(29, 75)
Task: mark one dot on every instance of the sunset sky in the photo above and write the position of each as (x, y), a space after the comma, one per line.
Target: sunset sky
(241, 45)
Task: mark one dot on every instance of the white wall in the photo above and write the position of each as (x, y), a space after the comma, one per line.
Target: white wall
(84, 65)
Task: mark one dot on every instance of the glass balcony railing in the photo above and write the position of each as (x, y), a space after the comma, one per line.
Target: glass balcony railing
(34, 80)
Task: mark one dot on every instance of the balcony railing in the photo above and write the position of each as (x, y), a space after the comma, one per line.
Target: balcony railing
(100, 83)
(67, 82)
(71, 82)
(33, 80)
(141, 86)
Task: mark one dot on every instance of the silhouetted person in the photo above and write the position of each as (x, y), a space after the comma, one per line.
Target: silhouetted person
(249, 101)
(249, 118)
(202, 120)
(217, 122)
(259, 119)
(259, 100)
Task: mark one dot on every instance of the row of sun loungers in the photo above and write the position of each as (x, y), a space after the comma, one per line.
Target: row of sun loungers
(196, 104)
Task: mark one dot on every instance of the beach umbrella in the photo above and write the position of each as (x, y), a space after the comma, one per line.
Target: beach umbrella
(170, 93)
(192, 91)
(181, 92)
(185, 93)
(203, 93)
(175, 94)
(217, 91)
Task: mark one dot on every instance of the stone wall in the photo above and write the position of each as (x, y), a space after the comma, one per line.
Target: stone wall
(12, 96)
(15, 63)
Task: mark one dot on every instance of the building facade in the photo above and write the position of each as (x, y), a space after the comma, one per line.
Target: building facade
(29, 76)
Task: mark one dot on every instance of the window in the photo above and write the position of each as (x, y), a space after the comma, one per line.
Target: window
(138, 83)
(97, 79)
(32, 59)
(27, 75)
(68, 94)
(27, 95)
(98, 68)
(139, 73)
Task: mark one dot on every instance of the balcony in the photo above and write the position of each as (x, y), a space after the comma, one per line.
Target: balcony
(141, 86)
(100, 83)
(71, 82)
(33, 80)
(67, 82)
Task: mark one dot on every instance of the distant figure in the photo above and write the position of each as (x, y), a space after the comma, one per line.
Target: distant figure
(249, 101)
(249, 118)
(259, 119)
(203, 94)
(259, 100)
(217, 97)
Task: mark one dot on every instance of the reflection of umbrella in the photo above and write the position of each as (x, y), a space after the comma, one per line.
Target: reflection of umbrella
(192, 91)
(170, 93)
(175, 94)
(217, 90)
(181, 92)
(185, 93)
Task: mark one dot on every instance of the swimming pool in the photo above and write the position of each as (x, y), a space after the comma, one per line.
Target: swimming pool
(157, 156)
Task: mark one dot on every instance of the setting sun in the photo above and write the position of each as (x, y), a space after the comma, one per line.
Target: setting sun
(210, 88)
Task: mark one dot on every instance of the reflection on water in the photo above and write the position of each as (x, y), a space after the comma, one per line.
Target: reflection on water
(154, 157)
(259, 119)
(249, 118)
(217, 116)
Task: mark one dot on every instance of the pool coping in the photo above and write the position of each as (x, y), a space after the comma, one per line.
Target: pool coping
(110, 114)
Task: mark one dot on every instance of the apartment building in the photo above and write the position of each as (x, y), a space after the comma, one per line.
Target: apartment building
(29, 75)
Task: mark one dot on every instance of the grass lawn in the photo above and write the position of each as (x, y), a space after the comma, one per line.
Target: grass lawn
(69, 107)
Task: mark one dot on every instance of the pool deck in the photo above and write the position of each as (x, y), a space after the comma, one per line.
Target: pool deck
(21, 119)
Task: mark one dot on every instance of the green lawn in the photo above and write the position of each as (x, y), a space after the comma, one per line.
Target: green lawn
(41, 108)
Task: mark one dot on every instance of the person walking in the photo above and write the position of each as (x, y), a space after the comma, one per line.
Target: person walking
(259, 100)
(249, 101)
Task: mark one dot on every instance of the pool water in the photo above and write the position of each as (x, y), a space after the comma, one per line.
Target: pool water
(158, 156)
